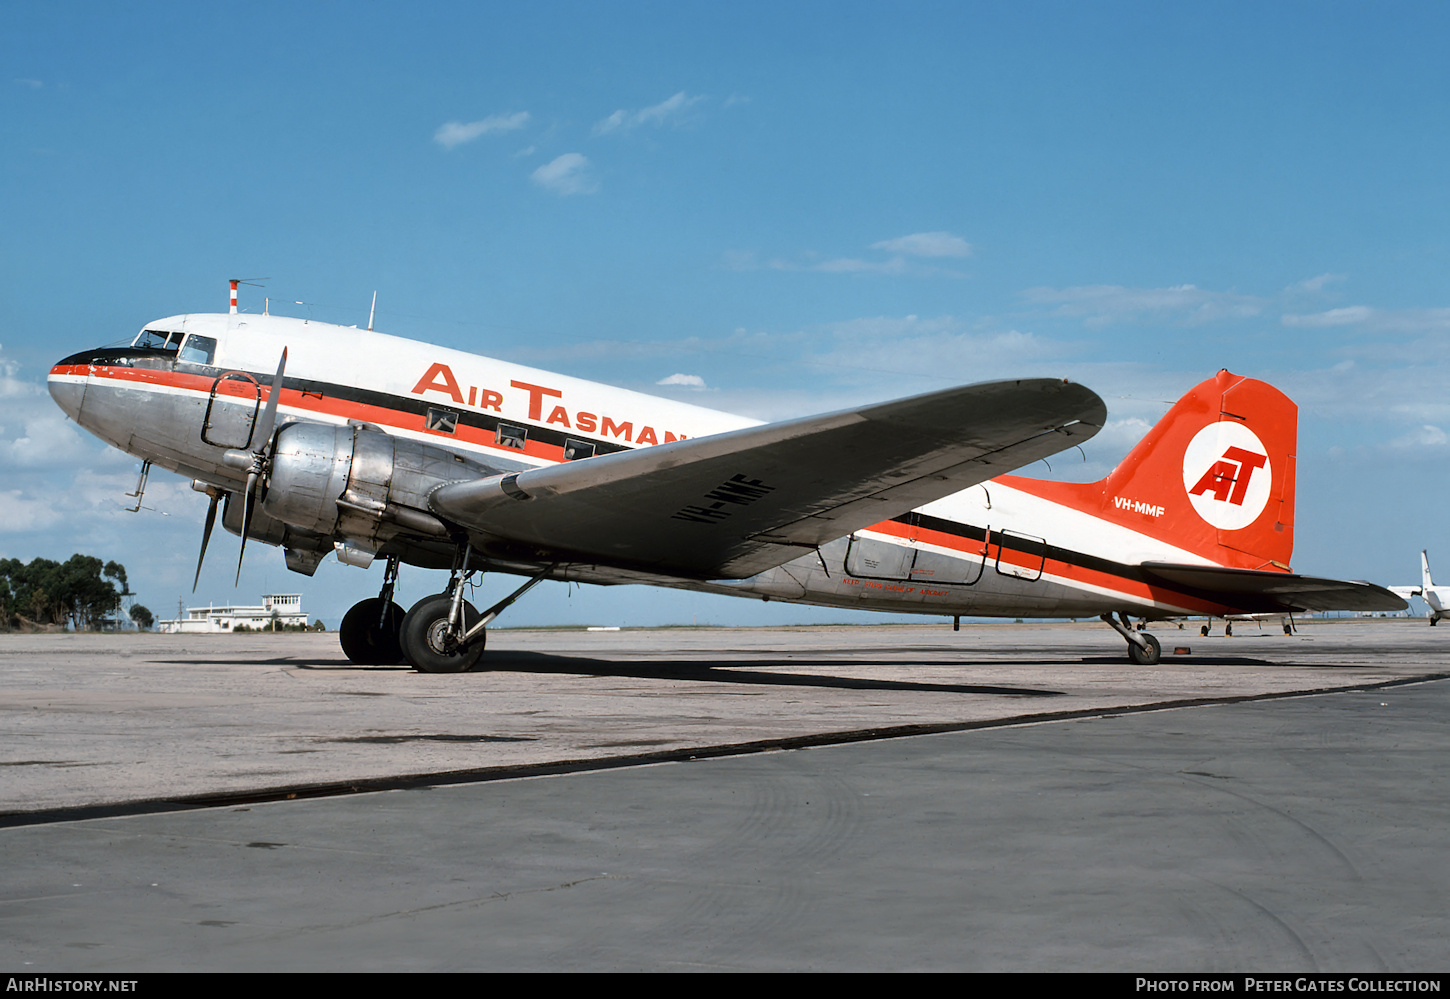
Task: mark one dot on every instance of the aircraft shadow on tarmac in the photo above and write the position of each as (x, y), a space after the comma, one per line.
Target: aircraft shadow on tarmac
(760, 672)
(757, 672)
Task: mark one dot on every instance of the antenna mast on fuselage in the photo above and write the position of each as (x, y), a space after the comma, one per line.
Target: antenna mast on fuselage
(236, 281)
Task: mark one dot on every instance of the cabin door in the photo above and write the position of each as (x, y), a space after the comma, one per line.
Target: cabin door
(231, 412)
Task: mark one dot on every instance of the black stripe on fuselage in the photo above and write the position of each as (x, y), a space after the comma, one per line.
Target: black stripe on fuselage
(1247, 603)
(469, 418)
(149, 357)
(1027, 546)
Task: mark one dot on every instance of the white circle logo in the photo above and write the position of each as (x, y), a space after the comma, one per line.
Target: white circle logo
(1227, 473)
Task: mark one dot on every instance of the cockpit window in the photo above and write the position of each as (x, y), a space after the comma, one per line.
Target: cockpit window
(198, 349)
(159, 340)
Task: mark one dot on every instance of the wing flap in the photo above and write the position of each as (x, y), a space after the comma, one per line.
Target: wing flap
(731, 505)
(1259, 592)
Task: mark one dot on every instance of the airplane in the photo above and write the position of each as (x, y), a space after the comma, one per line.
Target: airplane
(326, 439)
(1437, 598)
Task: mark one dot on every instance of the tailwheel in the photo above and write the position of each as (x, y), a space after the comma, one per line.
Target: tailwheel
(1143, 648)
(1148, 656)
(369, 632)
(431, 646)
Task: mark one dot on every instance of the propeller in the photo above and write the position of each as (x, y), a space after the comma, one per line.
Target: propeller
(216, 495)
(255, 462)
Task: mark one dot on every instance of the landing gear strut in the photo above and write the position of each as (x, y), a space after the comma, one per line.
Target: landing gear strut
(430, 639)
(1143, 648)
(370, 629)
(445, 633)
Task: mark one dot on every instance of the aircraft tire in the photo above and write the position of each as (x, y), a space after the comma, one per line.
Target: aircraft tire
(422, 637)
(363, 641)
(1148, 657)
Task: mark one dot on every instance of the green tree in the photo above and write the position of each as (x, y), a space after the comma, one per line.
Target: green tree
(78, 592)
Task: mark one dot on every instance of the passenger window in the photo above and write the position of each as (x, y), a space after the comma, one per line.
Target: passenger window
(198, 350)
(442, 420)
(574, 450)
(511, 436)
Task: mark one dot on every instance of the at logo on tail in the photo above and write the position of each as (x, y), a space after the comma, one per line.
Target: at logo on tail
(1228, 475)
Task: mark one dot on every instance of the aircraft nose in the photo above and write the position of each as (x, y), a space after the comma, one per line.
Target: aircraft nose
(67, 384)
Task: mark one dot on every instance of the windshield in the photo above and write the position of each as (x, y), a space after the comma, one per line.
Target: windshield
(159, 339)
(198, 349)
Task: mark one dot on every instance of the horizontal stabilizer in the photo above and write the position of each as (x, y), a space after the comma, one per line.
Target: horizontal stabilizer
(734, 504)
(1258, 592)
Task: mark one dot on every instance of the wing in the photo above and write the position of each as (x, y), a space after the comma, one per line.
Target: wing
(734, 504)
(1268, 592)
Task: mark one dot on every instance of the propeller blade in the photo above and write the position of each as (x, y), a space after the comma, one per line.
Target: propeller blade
(269, 415)
(247, 508)
(260, 457)
(206, 535)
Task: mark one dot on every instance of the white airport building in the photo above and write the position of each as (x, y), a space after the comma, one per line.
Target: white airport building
(278, 609)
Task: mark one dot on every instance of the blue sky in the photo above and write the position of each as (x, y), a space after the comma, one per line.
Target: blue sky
(801, 206)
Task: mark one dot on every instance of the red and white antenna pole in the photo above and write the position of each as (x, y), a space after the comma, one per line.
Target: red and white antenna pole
(234, 296)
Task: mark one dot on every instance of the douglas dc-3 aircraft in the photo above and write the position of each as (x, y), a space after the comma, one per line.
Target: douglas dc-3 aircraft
(320, 438)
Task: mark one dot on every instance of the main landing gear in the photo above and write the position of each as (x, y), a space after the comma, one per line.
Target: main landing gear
(443, 633)
(1143, 648)
(371, 628)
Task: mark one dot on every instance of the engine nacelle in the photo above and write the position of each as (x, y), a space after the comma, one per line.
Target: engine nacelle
(358, 485)
(310, 467)
(304, 549)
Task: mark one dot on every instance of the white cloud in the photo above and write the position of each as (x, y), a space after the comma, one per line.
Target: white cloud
(12, 387)
(567, 174)
(21, 514)
(689, 381)
(1374, 320)
(1315, 285)
(48, 440)
(926, 244)
(939, 350)
(850, 265)
(455, 133)
(1099, 305)
(1349, 316)
(670, 111)
(1426, 436)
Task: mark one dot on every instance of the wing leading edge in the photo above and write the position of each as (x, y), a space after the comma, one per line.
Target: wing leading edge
(734, 504)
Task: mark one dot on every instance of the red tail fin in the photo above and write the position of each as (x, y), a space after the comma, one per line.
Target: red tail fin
(1215, 476)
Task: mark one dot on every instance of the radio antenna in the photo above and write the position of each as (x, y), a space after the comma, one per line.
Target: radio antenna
(236, 281)
(373, 311)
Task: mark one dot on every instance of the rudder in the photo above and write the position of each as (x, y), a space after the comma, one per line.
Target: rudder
(1220, 467)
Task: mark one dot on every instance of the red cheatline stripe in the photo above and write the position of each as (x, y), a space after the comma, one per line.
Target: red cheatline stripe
(1065, 571)
(296, 400)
